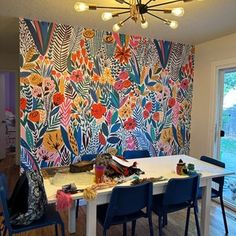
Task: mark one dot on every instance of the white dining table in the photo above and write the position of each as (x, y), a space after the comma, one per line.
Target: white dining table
(153, 167)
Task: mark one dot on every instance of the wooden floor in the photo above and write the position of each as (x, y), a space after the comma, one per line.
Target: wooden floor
(175, 227)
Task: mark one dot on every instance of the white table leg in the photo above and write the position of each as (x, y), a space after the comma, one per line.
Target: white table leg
(205, 209)
(91, 218)
(72, 218)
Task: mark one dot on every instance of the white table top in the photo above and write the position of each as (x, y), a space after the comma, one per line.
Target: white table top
(154, 167)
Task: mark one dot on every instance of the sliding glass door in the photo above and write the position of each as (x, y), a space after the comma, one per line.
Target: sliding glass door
(227, 147)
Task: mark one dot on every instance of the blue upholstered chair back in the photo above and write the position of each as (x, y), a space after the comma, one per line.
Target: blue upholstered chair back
(218, 180)
(88, 157)
(181, 190)
(132, 154)
(126, 200)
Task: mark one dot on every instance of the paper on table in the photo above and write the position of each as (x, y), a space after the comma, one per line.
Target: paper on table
(122, 162)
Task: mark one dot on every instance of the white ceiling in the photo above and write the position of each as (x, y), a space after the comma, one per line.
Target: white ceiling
(203, 20)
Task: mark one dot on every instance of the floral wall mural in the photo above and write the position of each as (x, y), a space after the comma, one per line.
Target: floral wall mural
(85, 91)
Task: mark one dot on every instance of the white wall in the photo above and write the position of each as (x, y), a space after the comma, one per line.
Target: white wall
(207, 55)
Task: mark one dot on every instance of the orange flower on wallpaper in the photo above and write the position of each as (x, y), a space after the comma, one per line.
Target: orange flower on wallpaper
(58, 98)
(89, 33)
(156, 116)
(98, 110)
(23, 103)
(36, 79)
(34, 116)
(122, 54)
(126, 83)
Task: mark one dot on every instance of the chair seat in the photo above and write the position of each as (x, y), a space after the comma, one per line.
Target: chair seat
(50, 217)
(214, 193)
(158, 208)
(101, 215)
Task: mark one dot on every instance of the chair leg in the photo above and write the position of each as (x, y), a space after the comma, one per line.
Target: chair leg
(62, 229)
(196, 220)
(5, 231)
(56, 230)
(187, 222)
(124, 229)
(223, 213)
(77, 209)
(133, 227)
(150, 225)
(160, 225)
(104, 232)
(165, 220)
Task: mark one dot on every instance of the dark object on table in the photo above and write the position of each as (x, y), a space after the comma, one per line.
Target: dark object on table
(69, 188)
(127, 204)
(168, 202)
(81, 166)
(216, 193)
(50, 217)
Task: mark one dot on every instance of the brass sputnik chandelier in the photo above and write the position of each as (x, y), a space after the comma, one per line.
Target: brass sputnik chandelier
(136, 10)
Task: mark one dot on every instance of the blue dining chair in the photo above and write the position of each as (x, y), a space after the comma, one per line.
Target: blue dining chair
(180, 193)
(51, 216)
(127, 204)
(216, 193)
(85, 157)
(88, 157)
(132, 154)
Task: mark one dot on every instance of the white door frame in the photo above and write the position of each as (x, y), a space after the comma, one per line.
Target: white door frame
(215, 100)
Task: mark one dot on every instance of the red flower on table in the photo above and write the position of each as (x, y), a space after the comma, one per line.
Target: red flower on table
(122, 54)
(98, 110)
(171, 102)
(23, 103)
(58, 98)
(130, 124)
(76, 76)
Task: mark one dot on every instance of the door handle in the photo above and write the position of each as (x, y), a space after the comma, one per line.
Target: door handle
(3, 121)
(222, 133)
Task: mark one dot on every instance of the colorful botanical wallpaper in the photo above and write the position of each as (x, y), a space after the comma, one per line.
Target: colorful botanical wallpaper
(86, 91)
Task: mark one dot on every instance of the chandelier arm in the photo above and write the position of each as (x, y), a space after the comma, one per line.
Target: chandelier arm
(158, 17)
(166, 3)
(162, 10)
(123, 21)
(148, 2)
(120, 13)
(122, 1)
(106, 7)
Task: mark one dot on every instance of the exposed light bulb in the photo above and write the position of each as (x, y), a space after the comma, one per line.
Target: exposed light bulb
(106, 16)
(116, 27)
(173, 24)
(81, 6)
(144, 24)
(179, 11)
